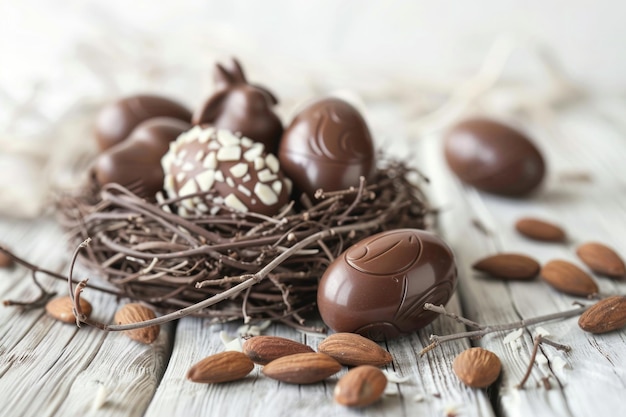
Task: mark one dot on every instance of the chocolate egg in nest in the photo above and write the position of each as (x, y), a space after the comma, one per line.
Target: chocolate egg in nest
(228, 231)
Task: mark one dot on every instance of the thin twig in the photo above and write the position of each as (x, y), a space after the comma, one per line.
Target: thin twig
(34, 268)
(441, 310)
(539, 340)
(40, 301)
(486, 329)
(531, 363)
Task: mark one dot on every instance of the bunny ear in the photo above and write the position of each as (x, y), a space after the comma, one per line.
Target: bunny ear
(229, 74)
(236, 71)
(223, 77)
(208, 112)
(267, 93)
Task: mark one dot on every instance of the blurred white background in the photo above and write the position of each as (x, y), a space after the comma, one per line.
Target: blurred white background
(434, 41)
(60, 60)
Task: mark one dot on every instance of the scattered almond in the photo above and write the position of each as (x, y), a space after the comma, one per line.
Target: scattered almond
(264, 349)
(352, 349)
(60, 308)
(604, 316)
(361, 386)
(221, 367)
(302, 368)
(477, 367)
(135, 313)
(508, 266)
(568, 278)
(5, 260)
(540, 230)
(602, 259)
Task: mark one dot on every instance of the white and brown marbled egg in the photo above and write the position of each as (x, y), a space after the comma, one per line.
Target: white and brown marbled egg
(236, 171)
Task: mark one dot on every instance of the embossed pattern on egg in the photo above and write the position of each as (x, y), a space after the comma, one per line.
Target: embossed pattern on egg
(329, 146)
(378, 287)
(235, 171)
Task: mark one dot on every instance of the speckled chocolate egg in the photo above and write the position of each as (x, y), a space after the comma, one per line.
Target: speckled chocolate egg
(494, 157)
(328, 145)
(378, 287)
(136, 162)
(236, 172)
(117, 120)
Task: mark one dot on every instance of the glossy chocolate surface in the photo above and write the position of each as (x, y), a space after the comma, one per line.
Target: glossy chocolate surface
(241, 107)
(117, 120)
(378, 287)
(238, 172)
(494, 157)
(137, 160)
(328, 145)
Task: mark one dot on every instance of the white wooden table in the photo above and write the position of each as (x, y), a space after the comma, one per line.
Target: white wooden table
(48, 368)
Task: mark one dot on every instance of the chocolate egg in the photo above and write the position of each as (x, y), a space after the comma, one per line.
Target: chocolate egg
(378, 287)
(329, 146)
(136, 162)
(235, 171)
(494, 157)
(115, 121)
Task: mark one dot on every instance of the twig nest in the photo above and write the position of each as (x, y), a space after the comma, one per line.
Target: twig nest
(209, 169)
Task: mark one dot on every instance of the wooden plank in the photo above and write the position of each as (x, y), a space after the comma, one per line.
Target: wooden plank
(593, 376)
(51, 368)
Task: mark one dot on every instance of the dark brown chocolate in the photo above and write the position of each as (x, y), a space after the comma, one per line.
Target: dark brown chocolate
(494, 157)
(136, 162)
(117, 120)
(378, 287)
(240, 107)
(328, 145)
(237, 170)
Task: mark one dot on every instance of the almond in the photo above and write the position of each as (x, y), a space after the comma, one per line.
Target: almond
(352, 349)
(136, 313)
(508, 266)
(568, 278)
(60, 308)
(604, 316)
(361, 386)
(602, 259)
(5, 260)
(302, 368)
(540, 230)
(477, 367)
(221, 367)
(264, 349)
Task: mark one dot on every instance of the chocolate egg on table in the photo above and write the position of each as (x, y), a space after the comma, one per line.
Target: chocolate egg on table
(329, 146)
(136, 162)
(116, 120)
(242, 108)
(494, 157)
(235, 170)
(378, 287)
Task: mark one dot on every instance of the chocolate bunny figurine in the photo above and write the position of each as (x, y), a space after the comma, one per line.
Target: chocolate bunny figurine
(241, 107)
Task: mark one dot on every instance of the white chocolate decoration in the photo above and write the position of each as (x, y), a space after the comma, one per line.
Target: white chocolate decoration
(219, 170)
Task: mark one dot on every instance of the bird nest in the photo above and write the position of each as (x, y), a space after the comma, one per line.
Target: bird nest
(235, 265)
